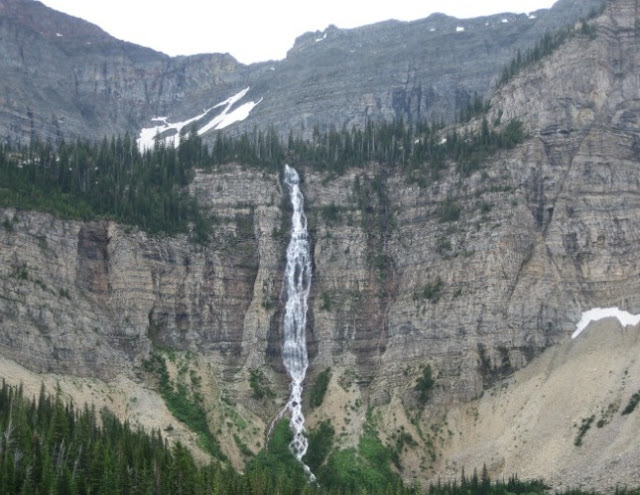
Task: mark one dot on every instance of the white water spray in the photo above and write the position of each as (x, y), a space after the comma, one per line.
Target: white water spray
(297, 282)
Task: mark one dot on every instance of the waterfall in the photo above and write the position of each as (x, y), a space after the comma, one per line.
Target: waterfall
(297, 283)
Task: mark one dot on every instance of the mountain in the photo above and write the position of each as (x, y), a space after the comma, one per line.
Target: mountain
(67, 78)
(442, 305)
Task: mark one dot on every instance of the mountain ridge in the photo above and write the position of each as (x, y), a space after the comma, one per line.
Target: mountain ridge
(60, 88)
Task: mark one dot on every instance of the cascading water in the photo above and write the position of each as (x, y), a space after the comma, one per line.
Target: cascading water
(297, 282)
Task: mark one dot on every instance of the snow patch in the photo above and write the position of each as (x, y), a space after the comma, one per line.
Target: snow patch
(324, 37)
(432, 30)
(532, 16)
(59, 35)
(625, 318)
(225, 118)
(504, 21)
(459, 29)
(148, 136)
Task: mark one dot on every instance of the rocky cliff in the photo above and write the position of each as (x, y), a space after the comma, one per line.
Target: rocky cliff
(543, 233)
(63, 77)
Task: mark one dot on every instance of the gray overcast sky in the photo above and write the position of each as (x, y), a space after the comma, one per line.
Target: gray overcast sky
(257, 30)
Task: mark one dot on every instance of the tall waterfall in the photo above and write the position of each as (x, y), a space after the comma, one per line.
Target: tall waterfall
(297, 282)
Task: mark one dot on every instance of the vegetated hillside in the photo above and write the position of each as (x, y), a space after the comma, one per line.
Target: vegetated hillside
(49, 446)
(434, 277)
(66, 78)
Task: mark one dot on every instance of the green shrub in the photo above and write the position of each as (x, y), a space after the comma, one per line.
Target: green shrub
(449, 211)
(331, 214)
(241, 445)
(319, 388)
(277, 460)
(424, 384)
(325, 298)
(583, 429)
(185, 405)
(431, 291)
(320, 444)
(260, 385)
(21, 272)
(633, 402)
(365, 470)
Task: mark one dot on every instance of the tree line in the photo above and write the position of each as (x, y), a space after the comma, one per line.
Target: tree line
(110, 179)
(48, 446)
(548, 44)
(113, 179)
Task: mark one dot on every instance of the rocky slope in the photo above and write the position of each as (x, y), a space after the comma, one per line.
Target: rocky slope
(560, 418)
(63, 77)
(545, 232)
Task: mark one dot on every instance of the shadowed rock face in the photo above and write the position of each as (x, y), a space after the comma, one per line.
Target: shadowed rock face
(63, 77)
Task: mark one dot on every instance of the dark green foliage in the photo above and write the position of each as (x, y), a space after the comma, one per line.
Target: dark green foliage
(424, 384)
(325, 299)
(186, 405)
(476, 106)
(260, 385)
(421, 149)
(402, 439)
(277, 461)
(109, 180)
(50, 447)
(431, 291)
(319, 388)
(21, 272)
(583, 429)
(588, 30)
(246, 451)
(320, 444)
(607, 414)
(7, 224)
(114, 180)
(549, 43)
(543, 47)
(367, 468)
(633, 402)
(449, 211)
(485, 207)
(331, 213)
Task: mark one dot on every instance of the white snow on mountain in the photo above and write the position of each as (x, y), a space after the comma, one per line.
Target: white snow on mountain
(625, 318)
(171, 131)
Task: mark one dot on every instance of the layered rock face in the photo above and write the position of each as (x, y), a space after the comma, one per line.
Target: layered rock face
(545, 232)
(65, 78)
